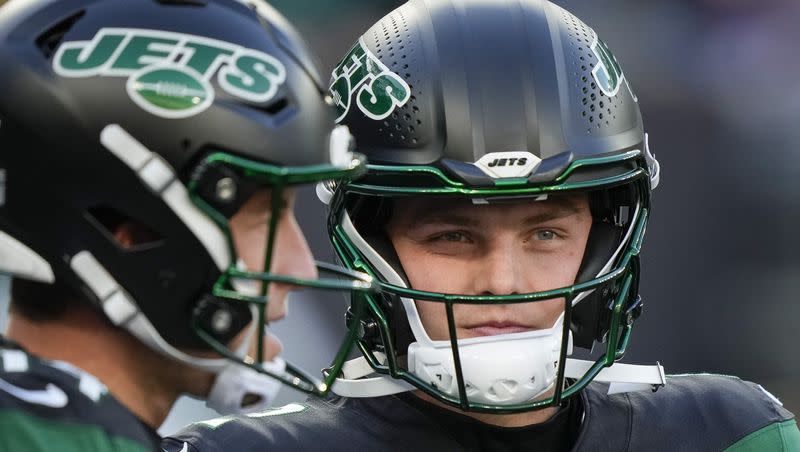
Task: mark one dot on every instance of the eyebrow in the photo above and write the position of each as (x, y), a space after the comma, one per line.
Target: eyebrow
(446, 218)
(432, 214)
(559, 212)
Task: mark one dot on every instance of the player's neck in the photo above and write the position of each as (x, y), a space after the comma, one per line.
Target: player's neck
(123, 364)
(499, 420)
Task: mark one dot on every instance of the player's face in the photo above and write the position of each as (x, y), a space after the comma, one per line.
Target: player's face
(490, 249)
(290, 256)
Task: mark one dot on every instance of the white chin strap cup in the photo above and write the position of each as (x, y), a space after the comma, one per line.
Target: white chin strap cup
(236, 384)
(622, 378)
(498, 370)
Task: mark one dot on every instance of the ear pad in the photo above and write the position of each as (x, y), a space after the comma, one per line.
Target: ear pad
(403, 336)
(370, 216)
(604, 238)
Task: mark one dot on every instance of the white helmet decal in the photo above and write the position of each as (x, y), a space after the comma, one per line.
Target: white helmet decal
(501, 165)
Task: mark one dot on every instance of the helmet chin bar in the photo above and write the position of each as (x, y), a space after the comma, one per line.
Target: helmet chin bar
(504, 373)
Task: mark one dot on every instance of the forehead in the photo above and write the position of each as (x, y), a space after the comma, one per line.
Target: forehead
(433, 209)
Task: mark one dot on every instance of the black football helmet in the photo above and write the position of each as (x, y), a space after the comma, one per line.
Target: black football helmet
(492, 102)
(171, 114)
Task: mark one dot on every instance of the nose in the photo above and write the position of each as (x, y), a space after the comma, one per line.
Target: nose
(500, 272)
(291, 255)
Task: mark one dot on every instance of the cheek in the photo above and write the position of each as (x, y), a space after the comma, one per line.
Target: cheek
(434, 319)
(559, 269)
(251, 245)
(237, 341)
(429, 273)
(566, 272)
(548, 311)
(561, 275)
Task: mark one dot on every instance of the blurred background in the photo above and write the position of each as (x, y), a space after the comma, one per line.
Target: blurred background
(720, 93)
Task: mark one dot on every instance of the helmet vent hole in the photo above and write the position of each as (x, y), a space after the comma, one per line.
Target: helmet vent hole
(583, 61)
(395, 48)
(49, 41)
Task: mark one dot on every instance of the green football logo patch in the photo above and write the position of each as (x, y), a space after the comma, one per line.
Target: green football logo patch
(172, 92)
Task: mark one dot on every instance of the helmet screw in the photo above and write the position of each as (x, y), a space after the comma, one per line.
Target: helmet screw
(226, 189)
(221, 321)
(367, 329)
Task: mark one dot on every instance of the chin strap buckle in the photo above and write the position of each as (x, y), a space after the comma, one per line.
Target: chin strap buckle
(634, 310)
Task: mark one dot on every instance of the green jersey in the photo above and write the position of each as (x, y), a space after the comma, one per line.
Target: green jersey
(691, 413)
(54, 406)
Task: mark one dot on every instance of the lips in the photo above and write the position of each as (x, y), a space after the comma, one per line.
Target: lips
(496, 328)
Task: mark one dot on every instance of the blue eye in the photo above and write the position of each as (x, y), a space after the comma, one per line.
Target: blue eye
(453, 236)
(545, 235)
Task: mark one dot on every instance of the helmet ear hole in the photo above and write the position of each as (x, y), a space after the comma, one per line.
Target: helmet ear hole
(125, 231)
